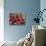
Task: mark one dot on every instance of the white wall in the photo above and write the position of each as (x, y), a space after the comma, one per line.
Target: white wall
(1, 21)
(43, 6)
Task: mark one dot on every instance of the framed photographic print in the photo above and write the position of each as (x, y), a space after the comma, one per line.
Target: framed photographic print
(16, 19)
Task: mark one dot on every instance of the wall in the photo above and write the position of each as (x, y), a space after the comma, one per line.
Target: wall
(43, 6)
(28, 7)
(1, 22)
